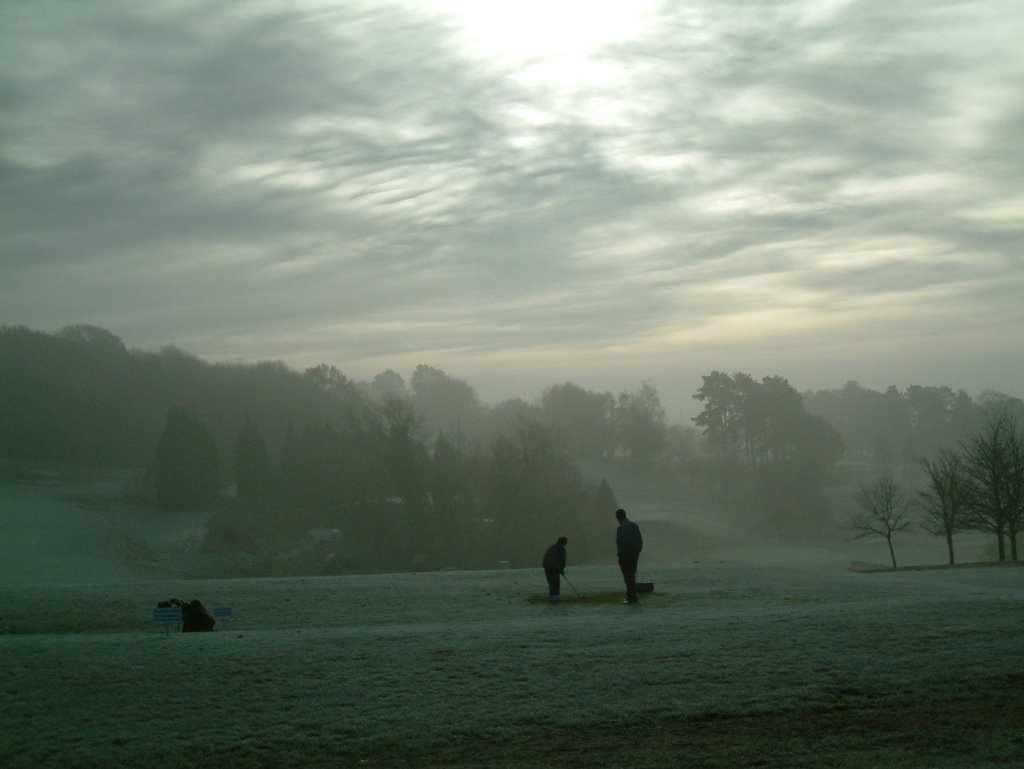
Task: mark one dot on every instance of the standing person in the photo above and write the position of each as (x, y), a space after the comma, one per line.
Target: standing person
(554, 567)
(628, 544)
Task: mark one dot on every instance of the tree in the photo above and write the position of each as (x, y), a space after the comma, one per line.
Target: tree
(893, 439)
(813, 445)
(995, 463)
(640, 424)
(449, 479)
(187, 468)
(323, 469)
(584, 417)
(533, 489)
(446, 404)
(855, 412)
(883, 512)
(328, 381)
(763, 423)
(930, 410)
(408, 463)
(720, 418)
(389, 384)
(770, 454)
(403, 454)
(596, 535)
(509, 415)
(751, 417)
(943, 503)
(604, 500)
(993, 402)
(85, 334)
(781, 420)
(252, 465)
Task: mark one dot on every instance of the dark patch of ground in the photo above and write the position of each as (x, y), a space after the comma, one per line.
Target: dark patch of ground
(617, 597)
(936, 732)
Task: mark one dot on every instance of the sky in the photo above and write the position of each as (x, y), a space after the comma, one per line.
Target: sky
(525, 193)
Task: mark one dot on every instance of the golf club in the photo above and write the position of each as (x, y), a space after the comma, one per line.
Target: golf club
(577, 592)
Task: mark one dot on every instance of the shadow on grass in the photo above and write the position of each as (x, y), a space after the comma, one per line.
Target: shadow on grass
(869, 568)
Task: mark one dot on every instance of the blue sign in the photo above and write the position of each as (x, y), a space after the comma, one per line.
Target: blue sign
(169, 615)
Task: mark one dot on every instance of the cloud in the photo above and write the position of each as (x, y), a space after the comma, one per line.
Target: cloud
(360, 183)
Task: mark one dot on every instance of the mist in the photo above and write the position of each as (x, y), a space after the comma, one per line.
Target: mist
(215, 469)
(339, 314)
(372, 550)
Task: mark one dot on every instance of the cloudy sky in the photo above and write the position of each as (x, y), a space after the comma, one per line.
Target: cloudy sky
(524, 193)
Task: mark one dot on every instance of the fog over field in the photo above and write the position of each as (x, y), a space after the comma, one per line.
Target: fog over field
(336, 314)
(73, 527)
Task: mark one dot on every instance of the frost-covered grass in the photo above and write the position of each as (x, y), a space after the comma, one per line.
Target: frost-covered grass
(746, 655)
(332, 671)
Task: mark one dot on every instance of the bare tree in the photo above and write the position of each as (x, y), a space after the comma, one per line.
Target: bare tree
(995, 464)
(884, 511)
(944, 503)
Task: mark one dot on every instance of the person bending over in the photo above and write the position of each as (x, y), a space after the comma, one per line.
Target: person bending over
(554, 567)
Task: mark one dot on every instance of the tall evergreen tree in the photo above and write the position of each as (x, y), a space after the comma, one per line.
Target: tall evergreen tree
(252, 465)
(187, 468)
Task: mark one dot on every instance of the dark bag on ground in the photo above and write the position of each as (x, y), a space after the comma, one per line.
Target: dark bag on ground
(645, 587)
(194, 616)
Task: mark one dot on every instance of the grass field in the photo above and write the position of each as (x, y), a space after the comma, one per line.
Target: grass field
(775, 656)
(726, 664)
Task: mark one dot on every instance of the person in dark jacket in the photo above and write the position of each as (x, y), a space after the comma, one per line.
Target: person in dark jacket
(628, 544)
(554, 567)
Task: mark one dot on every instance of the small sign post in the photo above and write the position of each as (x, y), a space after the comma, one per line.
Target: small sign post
(167, 615)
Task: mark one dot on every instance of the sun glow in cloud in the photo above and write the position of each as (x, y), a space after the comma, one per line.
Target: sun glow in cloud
(550, 43)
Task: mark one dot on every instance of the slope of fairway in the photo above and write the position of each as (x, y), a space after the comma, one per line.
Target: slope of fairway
(332, 671)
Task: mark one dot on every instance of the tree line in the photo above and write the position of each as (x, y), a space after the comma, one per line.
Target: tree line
(419, 470)
(419, 474)
(79, 395)
(979, 486)
(898, 427)
(398, 501)
(762, 452)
